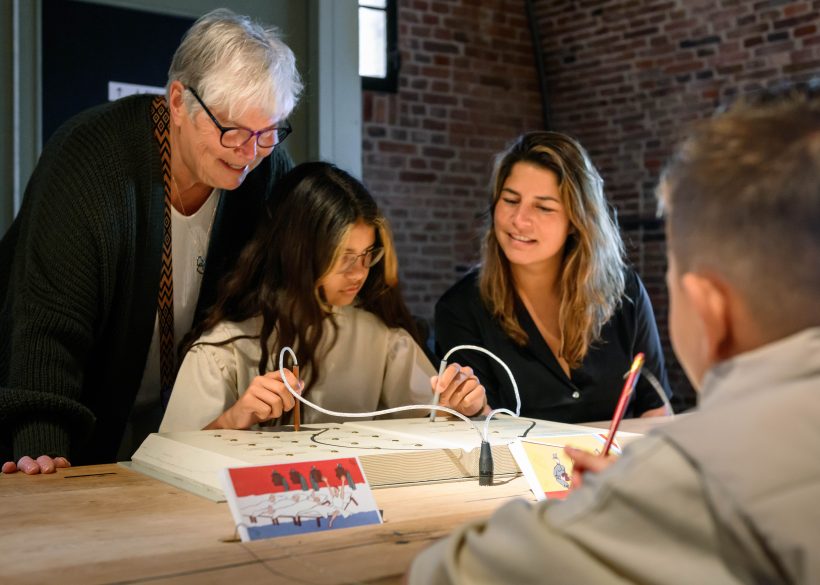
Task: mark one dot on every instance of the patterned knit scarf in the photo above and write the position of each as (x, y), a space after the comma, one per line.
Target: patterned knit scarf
(165, 302)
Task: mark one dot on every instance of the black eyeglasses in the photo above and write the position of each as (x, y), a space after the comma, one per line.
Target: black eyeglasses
(234, 137)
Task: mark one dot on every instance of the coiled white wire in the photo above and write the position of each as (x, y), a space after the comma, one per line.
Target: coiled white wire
(483, 435)
(492, 413)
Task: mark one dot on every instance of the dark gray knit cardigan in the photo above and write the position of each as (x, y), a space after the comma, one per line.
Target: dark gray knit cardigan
(79, 277)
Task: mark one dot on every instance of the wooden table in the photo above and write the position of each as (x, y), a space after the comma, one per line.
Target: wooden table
(108, 524)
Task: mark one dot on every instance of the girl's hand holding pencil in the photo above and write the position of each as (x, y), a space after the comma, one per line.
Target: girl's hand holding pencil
(266, 398)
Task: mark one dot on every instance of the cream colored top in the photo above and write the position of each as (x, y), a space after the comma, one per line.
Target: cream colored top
(369, 367)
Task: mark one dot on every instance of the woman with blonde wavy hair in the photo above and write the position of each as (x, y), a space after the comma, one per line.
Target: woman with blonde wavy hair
(321, 276)
(552, 296)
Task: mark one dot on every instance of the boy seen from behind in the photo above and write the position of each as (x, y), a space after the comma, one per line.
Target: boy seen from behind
(727, 494)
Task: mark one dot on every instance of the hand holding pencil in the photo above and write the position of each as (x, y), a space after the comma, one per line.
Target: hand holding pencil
(583, 461)
(265, 398)
(586, 462)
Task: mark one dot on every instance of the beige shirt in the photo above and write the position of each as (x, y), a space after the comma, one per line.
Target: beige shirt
(369, 367)
(727, 495)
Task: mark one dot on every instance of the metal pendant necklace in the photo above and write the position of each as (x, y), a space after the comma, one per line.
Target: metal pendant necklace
(201, 247)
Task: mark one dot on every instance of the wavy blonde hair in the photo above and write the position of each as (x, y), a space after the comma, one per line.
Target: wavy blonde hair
(592, 275)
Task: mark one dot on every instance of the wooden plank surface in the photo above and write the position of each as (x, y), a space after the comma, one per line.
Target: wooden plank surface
(108, 524)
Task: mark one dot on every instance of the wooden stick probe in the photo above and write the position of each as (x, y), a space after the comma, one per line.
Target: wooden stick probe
(436, 394)
(296, 408)
(620, 409)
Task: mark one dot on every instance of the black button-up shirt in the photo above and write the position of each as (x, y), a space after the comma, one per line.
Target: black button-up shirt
(590, 392)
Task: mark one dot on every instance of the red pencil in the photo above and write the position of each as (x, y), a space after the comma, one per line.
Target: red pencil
(620, 409)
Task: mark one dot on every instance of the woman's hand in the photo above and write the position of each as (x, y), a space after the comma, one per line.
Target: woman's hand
(460, 390)
(266, 398)
(29, 466)
(586, 462)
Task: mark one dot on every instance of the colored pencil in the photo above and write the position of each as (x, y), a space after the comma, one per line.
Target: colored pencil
(620, 408)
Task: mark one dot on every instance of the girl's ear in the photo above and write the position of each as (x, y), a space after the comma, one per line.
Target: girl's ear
(709, 300)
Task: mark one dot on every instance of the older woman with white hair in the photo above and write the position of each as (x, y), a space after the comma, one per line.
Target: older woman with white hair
(134, 212)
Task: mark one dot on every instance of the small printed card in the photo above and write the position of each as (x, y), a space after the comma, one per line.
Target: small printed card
(545, 465)
(295, 498)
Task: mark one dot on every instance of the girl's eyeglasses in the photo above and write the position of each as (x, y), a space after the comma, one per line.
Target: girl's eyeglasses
(369, 259)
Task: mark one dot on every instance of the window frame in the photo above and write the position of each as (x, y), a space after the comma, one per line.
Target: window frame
(390, 82)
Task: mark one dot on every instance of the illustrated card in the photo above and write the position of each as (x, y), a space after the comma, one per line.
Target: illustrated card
(545, 465)
(299, 497)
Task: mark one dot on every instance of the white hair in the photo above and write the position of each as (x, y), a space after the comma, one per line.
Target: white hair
(234, 63)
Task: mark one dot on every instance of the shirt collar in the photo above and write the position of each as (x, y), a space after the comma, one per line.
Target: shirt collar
(791, 358)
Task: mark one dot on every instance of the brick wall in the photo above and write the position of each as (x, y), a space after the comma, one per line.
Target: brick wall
(624, 77)
(467, 86)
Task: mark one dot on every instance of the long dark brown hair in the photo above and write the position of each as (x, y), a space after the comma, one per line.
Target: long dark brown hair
(277, 275)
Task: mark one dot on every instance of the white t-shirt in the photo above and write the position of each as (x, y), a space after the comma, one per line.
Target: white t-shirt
(190, 236)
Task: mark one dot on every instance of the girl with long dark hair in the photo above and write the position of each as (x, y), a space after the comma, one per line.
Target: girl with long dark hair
(319, 276)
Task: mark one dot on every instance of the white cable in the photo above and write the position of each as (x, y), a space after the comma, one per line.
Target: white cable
(503, 365)
(432, 407)
(484, 475)
(299, 397)
(656, 386)
(653, 381)
(491, 414)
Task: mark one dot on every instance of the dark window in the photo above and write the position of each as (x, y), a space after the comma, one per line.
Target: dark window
(94, 53)
(378, 45)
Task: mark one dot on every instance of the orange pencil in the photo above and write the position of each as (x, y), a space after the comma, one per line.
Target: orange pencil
(620, 409)
(296, 410)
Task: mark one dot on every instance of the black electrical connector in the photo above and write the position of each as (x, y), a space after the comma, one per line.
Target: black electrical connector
(485, 465)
